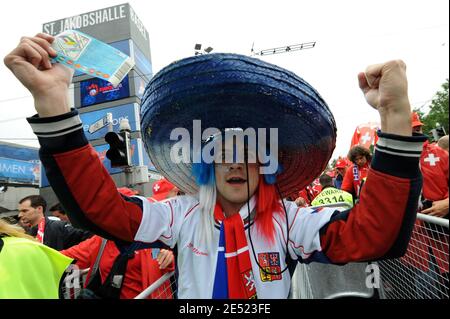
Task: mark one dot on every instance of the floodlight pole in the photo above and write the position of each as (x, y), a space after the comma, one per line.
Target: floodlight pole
(285, 49)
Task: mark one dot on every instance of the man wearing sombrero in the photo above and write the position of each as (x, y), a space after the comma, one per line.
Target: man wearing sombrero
(235, 237)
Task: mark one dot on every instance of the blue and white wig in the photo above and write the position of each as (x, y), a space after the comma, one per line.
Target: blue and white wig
(207, 195)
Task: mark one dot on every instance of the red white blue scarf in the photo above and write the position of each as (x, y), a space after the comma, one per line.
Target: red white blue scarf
(234, 276)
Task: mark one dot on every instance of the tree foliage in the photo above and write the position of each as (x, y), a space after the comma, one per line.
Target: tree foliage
(438, 111)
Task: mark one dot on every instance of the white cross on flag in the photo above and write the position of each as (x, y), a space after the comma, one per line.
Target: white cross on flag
(431, 159)
(365, 135)
(366, 138)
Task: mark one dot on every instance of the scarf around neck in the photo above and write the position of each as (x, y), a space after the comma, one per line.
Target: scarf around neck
(234, 276)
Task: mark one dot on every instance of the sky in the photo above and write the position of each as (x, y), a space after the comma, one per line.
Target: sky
(349, 36)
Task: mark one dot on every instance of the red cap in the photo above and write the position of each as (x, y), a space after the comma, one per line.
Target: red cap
(161, 189)
(341, 163)
(415, 120)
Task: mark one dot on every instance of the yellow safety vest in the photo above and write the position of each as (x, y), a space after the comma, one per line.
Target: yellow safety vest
(331, 195)
(30, 270)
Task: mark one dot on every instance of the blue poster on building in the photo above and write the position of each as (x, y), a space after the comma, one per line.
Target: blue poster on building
(95, 91)
(126, 111)
(16, 171)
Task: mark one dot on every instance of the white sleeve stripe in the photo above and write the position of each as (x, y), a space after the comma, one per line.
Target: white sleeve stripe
(60, 133)
(392, 152)
(400, 145)
(56, 126)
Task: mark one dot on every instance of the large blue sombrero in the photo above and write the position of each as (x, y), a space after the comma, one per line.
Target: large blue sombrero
(229, 91)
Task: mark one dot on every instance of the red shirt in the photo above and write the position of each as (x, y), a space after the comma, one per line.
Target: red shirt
(350, 183)
(141, 272)
(434, 167)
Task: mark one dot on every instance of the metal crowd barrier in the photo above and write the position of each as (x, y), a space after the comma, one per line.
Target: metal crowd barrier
(158, 290)
(423, 272)
(324, 281)
(163, 288)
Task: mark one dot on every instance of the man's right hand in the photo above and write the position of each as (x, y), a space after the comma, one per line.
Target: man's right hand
(30, 63)
(385, 88)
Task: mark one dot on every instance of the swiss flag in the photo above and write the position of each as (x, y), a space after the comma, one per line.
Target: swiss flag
(365, 135)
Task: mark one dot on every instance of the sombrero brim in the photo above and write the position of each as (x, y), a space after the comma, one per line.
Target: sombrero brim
(230, 90)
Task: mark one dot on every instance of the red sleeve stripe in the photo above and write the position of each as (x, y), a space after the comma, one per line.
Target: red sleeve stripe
(295, 217)
(301, 248)
(171, 214)
(190, 210)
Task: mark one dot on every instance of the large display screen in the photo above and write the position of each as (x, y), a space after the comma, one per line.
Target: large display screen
(95, 91)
